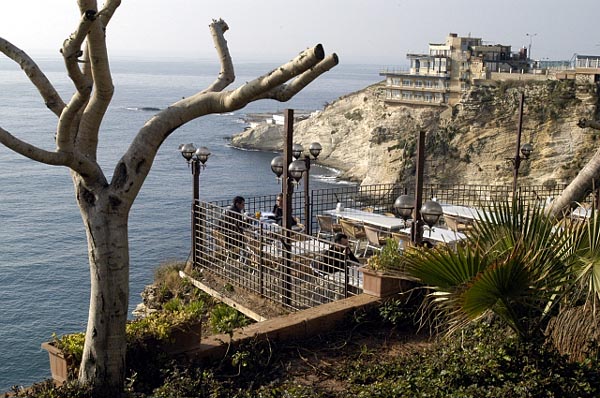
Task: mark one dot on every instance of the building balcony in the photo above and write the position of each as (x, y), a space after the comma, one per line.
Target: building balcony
(418, 89)
(413, 101)
(414, 72)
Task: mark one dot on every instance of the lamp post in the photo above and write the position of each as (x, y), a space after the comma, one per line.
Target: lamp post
(404, 205)
(289, 171)
(430, 212)
(196, 158)
(295, 170)
(297, 151)
(531, 36)
(524, 150)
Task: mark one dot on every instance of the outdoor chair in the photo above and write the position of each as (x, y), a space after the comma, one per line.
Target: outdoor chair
(327, 226)
(354, 231)
(375, 240)
(457, 224)
(403, 240)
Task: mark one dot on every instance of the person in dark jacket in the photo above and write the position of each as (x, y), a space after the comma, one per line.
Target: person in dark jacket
(232, 223)
(335, 258)
(278, 211)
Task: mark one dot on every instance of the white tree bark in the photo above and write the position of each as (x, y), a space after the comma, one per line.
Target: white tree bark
(581, 186)
(105, 205)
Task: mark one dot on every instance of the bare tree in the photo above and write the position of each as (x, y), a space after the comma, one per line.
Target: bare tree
(585, 182)
(105, 205)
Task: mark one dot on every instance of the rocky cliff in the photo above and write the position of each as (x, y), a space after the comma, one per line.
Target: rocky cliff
(372, 142)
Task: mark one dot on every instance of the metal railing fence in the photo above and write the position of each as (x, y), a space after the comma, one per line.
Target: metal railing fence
(287, 267)
(297, 270)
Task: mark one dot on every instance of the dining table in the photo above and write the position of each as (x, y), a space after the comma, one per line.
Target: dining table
(439, 234)
(463, 212)
(377, 220)
(297, 248)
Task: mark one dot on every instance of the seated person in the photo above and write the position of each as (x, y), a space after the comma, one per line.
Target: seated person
(278, 211)
(334, 259)
(232, 223)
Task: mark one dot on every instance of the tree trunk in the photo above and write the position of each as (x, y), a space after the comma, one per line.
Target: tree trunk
(105, 206)
(586, 181)
(103, 361)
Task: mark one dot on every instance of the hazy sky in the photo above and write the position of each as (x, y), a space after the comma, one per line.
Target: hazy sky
(359, 31)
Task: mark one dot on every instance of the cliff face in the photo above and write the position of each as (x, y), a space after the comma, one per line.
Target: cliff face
(375, 143)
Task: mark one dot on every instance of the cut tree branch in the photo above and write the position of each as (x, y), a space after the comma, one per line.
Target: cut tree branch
(287, 91)
(51, 97)
(89, 125)
(71, 51)
(143, 149)
(227, 75)
(90, 171)
(253, 89)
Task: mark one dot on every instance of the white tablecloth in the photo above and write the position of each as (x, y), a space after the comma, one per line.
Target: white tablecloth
(377, 220)
(439, 234)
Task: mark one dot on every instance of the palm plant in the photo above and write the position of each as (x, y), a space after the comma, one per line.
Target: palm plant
(574, 331)
(516, 264)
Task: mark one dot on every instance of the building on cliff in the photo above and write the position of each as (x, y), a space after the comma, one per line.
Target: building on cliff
(440, 77)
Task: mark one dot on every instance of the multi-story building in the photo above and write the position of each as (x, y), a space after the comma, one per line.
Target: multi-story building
(440, 77)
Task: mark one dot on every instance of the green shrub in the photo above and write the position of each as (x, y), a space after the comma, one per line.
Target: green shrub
(48, 389)
(484, 361)
(173, 305)
(389, 259)
(71, 345)
(223, 319)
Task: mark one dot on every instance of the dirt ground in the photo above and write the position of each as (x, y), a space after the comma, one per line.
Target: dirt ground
(320, 362)
(260, 305)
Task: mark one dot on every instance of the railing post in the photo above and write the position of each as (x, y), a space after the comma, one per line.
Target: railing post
(417, 225)
(196, 195)
(287, 190)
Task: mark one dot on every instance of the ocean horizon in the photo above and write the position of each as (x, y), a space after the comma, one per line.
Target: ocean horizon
(44, 273)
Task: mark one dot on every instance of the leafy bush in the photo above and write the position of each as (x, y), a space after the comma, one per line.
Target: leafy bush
(159, 324)
(484, 361)
(48, 389)
(388, 259)
(71, 345)
(223, 319)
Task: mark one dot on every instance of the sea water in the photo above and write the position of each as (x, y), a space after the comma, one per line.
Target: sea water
(44, 274)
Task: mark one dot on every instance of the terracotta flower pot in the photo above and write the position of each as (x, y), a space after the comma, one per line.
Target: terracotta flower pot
(59, 363)
(380, 284)
(183, 339)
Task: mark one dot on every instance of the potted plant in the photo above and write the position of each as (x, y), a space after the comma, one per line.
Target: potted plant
(383, 274)
(64, 354)
(174, 330)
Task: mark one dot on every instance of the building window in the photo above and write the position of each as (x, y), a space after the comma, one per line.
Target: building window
(406, 95)
(428, 84)
(406, 82)
(419, 83)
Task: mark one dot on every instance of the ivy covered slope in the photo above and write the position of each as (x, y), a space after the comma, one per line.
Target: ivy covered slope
(373, 142)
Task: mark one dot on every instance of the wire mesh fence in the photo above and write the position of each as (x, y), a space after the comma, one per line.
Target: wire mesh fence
(287, 267)
(298, 270)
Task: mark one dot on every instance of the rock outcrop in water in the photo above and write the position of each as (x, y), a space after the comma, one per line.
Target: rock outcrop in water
(372, 142)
